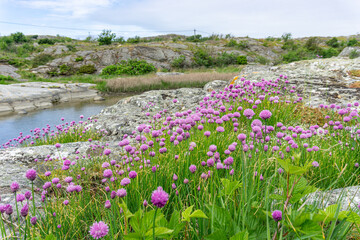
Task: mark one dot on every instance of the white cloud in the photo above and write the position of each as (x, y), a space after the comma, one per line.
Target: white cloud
(68, 8)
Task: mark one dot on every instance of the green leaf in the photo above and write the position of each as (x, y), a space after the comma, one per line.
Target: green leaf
(126, 211)
(186, 214)
(133, 236)
(351, 217)
(159, 231)
(230, 186)
(174, 220)
(292, 169)
(136, 221)
(244, 235)
(217, 235)
(198, 214)
(277, 197)
(50, 237)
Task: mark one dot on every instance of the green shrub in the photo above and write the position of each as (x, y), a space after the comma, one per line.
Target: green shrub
(312, 44)
(241, 60)
(354, 54)
(270, 39)
(106, 37)
(130, 67)
(240, 45)
(262, 60)
(195, 38)
(203, 58)
(87, 69)
(297, 55)
(119, 40)
(66, 70)
(71, 48)
(41, 59)
(6, 78)
(352, 42)
(46, 41)
(18, 62)
(178, 62)
(330, 52)
(231, 43)
(135, 39)
(334, 43)
(79, 59)
(19, 37)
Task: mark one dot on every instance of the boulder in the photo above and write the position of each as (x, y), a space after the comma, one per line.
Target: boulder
(8, 70)
(348, 50)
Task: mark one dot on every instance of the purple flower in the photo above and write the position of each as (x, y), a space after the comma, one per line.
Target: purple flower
(186, 181)
(8, 209)
(212, 148)
(315, 164)
(192, 168)
(33, 220)
(175, 177)
(132, 174)
(121, 192)
(277, 215)
(108, 173)
(248, 113)
(20, 197)
(105, 165)
(241, 137)
(107, 152)
(145, 203)
(24, 210)
(220, 129)
(46, 185)
(66, 202)
(159, 197)
(31, 174)
(107, 204)
(99, 230)
(57, 145)
(265, 114)
(356, 165)
(14, 187)
(27, 194)
(280, 170)
(68, 179)
(125, 181)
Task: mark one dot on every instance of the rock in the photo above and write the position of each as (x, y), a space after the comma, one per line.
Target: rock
(347, 51)
(99, 98)
(348, 197)
(215, 85)
(56, 50)
(319, 80)
(8, 70)
(123, 117)
(32, 95)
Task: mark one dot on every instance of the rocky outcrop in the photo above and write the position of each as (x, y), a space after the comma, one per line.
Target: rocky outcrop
(23, 97)
(346, 52)
(320, 80)
(8, 70)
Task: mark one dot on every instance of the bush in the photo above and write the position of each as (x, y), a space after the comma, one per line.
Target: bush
(135, 39)
(241, 45)
(41, 59)
(119, 40)
(19, 37)
(203, 58)
(231, 43)
(130, 67)
(354, 54)
(286, 37)
(195, 38)
(106, 37)
(46, 41)
(87, 69)
(262, 60)
(334, 43)
(241, 60)
(312, 44)
(79, 59)
(328, 53)
(66, 70)
(178, 62)
(296, 55)
(352, 42)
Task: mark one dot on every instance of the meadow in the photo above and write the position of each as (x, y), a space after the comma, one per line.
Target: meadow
(239, 166)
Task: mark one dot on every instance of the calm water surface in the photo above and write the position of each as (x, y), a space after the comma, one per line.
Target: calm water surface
(11, 126)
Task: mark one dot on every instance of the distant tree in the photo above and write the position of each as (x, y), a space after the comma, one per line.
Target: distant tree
(334, 43)
(286, 37)
(106, 37)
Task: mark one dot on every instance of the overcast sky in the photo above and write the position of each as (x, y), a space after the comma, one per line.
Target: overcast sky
(253, 18)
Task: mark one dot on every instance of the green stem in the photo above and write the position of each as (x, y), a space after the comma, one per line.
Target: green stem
(33, 198)
(154, 224)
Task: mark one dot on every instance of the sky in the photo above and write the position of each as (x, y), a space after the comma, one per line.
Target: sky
(129, 18)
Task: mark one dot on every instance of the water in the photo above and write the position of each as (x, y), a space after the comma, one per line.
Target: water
(11, 126)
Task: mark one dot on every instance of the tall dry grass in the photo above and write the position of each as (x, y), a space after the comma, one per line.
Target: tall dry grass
(152, 82)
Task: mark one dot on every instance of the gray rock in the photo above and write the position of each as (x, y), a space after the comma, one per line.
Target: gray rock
(347, 51)
(8, 70)
(215, 85)
(32, 95)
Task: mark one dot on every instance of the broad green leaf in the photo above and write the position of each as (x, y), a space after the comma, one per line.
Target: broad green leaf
(133, 236)
(230, 186)
(244, 235)
(186, 214)
(277, 197)
(50, 237)
(136, 222)
(159, 231)
(217, 235)
(174, 220)
(198, 214)
(126, 211)
(351, 217)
